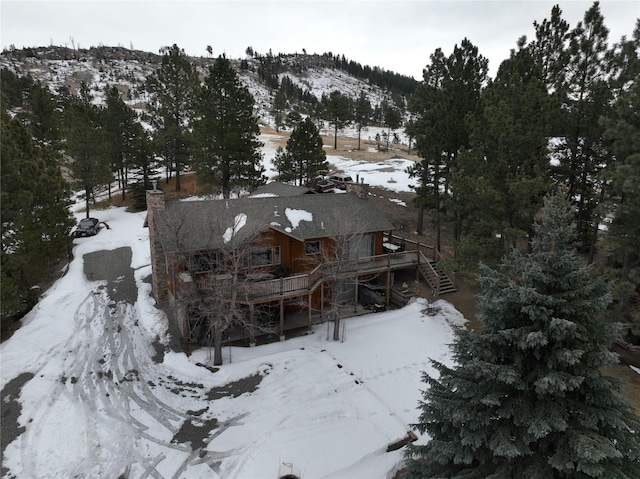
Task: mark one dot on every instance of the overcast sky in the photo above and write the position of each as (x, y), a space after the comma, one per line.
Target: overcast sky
(396, 35)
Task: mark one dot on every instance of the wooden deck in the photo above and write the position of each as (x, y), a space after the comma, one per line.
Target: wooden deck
(303, 284)
(258, 289)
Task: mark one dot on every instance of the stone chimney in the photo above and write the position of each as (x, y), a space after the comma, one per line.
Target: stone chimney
(156, 204)
(155, 200)
(359, 188)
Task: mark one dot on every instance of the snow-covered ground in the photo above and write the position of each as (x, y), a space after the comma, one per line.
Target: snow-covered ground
(96, 393)
(390, 173)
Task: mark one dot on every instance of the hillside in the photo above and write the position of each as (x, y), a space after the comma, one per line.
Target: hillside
(315, 75)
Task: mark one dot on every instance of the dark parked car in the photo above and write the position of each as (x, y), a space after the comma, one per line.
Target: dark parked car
(370, 300)
(87, 227)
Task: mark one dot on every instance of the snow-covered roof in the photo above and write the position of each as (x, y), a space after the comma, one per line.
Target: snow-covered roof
(211, 224)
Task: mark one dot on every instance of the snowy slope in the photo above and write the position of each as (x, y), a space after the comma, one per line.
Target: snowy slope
(98, 71)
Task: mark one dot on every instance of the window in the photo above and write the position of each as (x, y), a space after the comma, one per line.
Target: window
(311, 247)
(276, 255)
(261, 257)
(361, 247)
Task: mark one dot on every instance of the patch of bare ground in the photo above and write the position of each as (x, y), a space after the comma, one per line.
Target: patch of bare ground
(369, 150)
(630, 377)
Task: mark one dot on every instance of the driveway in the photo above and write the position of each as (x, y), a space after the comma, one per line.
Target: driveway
(113, 405)
(114, 267)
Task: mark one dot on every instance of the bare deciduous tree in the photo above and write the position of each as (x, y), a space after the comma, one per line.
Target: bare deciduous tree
(213, 282)
(339, 259)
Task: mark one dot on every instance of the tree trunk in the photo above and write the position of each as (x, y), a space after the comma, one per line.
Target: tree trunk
(86, 200)
(217, 347)
(420, 222)
(594, 231)
(457, 226)
(123, 183)
(438, 230)
(177, 175)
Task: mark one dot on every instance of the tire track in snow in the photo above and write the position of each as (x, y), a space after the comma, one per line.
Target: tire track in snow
(104, 382)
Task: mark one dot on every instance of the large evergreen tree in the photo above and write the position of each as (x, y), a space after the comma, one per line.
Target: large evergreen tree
(142, 160)
(85, 145)
(428, 104)
(580, 148)
(304, 158)
(34, 104)
(337, 110)
(509, 137)
(392, 118)
(449, 92)
(228, 152)
(623, 177)
(550, 49)
(361, 114)
(119, 123)
(527, 397)
(173, 88)
(35, 216)
(279, 107)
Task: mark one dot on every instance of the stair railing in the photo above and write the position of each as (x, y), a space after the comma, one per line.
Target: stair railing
(429, 272)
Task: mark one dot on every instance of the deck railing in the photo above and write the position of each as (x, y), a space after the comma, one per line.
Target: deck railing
(308, 282)
(427, 250)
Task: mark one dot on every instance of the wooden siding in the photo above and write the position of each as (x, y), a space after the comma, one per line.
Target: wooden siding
(306, 271)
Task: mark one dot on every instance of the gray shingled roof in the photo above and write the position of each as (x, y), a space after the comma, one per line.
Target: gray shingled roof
(199, 225)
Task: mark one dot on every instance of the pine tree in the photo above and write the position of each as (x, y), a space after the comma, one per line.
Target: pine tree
(35, 215)
(527, 397)
(34, 104)
(279, 106)
(44, 116)
(587, 98)
(509, 137)
(283, 163)
(85, 145)
(449, 92)
(392, 118)
(142, 159)
(623, 236)
(228, 152)
(305, 153)
(173, 88)
(428, 104)
(361, 114)
(337, 112)
(119, 122)
(550, 49)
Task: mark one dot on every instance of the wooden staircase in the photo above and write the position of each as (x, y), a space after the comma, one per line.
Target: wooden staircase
(436, 277)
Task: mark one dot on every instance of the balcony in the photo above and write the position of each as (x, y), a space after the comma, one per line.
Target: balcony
(252, 290)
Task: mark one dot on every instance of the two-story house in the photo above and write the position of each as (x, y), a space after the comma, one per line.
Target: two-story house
(281, 253)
